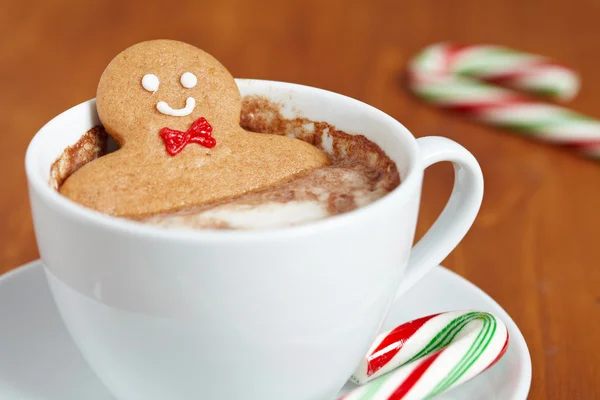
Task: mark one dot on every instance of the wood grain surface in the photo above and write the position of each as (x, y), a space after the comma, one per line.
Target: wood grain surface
(535, 245)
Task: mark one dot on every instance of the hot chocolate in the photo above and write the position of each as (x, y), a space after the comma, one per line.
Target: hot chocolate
(172, 157)
(359, 173)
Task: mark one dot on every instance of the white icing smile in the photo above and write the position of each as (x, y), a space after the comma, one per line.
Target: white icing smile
(164, 108)
(150, 82)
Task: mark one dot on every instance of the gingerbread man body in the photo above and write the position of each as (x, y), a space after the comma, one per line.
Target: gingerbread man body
(168, 84)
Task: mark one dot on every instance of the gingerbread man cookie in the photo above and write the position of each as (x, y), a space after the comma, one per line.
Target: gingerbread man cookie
(174, 111)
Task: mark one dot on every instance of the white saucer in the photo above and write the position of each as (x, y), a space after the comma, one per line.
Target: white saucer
(39, 361)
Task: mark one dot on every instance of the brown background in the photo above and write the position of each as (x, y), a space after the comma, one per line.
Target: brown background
(534, 247)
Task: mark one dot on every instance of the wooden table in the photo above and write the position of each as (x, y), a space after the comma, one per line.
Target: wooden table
(534, 246)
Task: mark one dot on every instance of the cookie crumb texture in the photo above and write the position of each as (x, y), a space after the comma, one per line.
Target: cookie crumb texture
(141, 179)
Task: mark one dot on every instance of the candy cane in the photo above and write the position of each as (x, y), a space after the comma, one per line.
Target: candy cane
(465, 79)
(425, 357)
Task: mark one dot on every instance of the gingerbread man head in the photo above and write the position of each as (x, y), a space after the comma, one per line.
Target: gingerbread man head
(174, 111)
(164, 83)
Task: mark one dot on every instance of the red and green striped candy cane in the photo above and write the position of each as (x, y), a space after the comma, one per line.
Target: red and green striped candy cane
(469, 80)
(425, 357)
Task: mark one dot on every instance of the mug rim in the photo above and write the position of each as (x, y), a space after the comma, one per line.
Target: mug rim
(123, 225)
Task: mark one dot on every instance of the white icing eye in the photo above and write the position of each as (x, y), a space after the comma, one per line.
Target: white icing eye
(150, 82)
(188, 80)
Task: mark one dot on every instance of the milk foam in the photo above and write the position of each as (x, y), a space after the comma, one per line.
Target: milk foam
(246, 216)
(319, 194)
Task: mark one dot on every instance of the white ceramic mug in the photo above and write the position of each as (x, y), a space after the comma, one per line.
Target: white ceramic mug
(277, 314)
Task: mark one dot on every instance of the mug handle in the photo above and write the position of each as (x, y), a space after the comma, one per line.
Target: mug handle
(458, 215)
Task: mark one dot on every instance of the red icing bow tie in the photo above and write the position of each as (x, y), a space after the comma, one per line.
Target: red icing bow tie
(200, 132)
